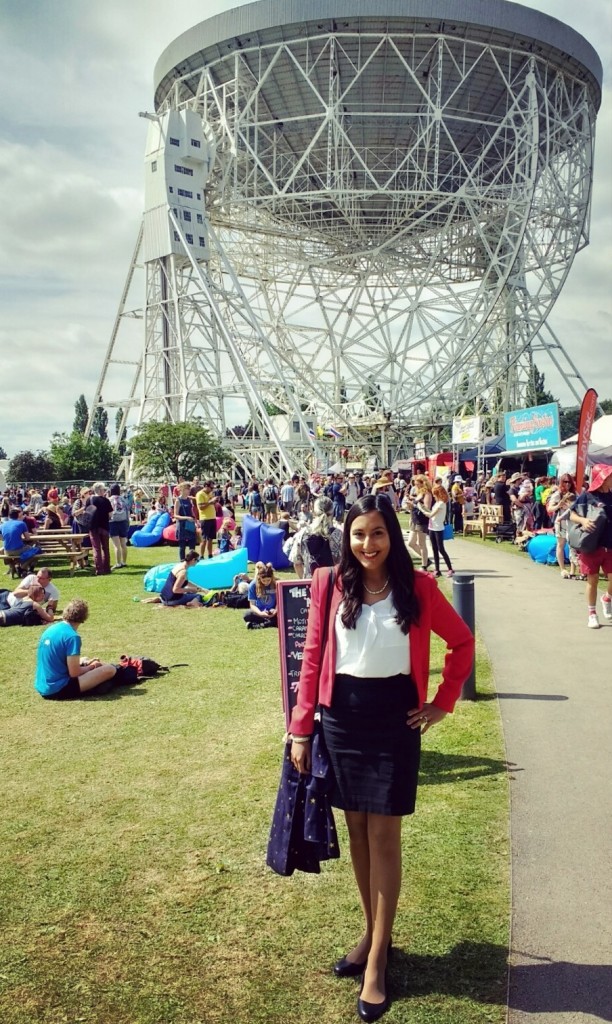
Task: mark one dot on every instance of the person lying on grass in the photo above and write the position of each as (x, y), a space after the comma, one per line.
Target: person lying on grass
(43, 576)
(61, 673)
(27, 610)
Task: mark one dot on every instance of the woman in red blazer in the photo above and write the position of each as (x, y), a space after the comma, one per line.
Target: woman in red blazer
(371, 685)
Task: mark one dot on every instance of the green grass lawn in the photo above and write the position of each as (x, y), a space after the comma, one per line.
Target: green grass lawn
(133, 886)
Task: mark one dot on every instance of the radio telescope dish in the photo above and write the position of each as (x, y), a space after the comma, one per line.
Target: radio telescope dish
(391, 196)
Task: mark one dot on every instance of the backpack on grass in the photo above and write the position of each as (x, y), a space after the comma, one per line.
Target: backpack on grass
(146, 668)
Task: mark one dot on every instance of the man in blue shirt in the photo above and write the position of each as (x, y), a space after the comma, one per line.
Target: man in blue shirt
(61, 674)
(338, 496)
(14, 532)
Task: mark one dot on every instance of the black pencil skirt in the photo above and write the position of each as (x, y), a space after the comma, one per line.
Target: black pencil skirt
(374, 754)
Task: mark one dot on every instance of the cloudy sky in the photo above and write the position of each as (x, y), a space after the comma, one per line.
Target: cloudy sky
(71, 163)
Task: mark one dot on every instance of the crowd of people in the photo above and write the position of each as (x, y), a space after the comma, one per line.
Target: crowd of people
(311, 512)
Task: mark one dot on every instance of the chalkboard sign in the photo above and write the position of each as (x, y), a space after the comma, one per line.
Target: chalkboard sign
(293, 601)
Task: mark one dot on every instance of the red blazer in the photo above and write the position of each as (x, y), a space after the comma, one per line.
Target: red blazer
(317, 680)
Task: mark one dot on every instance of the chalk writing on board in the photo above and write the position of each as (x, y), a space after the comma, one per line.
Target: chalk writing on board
(293, 603)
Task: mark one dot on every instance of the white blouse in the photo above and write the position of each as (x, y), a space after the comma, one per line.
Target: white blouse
(376, 647)
(438, 515)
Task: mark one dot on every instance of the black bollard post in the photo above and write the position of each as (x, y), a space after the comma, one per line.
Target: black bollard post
(463, 603)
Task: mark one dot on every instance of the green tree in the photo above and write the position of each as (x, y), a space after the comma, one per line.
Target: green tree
(81, 415)
(170, 450)
(274, 410)
(569, 417)
(120, 435)
(568, 421)
(99, 423)
(537, 394)
(3, 454)
(31, 467)
(82, 458)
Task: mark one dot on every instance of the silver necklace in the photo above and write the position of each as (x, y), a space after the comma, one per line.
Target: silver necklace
(375, 592)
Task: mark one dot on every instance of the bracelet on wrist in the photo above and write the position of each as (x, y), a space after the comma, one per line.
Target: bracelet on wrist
(300, 739)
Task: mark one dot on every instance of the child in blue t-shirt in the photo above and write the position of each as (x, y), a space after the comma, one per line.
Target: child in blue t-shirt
(262, 598)
(224, 537)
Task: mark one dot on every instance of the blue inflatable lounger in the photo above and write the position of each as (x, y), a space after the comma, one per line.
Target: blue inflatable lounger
(151, 532)
(218, 573)
(213, 574)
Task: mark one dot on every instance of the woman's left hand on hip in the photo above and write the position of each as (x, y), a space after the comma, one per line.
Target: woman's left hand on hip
(423, 718)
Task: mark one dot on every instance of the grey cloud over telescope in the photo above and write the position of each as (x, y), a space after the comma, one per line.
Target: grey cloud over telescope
(75, 76)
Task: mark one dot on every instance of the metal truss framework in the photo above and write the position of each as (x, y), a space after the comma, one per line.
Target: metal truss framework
(380, 265)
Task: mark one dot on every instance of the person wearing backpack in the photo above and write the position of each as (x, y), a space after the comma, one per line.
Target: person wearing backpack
(118, 525)
(270, 499)
(318, 544)
(592, 510)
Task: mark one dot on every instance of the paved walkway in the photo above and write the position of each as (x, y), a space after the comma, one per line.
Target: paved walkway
(554, 683)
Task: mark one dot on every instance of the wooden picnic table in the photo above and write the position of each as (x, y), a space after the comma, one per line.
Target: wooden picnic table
(62, 544)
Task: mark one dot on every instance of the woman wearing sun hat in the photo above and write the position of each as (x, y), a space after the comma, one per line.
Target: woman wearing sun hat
(599, 494)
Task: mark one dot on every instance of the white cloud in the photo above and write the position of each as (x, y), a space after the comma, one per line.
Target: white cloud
(75, 76)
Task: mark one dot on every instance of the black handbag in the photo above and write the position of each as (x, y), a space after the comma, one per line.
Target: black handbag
(303, 831)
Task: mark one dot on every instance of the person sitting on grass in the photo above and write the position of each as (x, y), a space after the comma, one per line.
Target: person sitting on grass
(61, 673)
(177, 590)
(262, 598)
(27, 610)
(237, 596)
(224, 537)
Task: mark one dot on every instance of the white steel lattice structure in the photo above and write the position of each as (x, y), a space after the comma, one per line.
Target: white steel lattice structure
(392, 198)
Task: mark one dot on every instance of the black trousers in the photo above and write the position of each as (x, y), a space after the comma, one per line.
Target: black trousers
(437, 544)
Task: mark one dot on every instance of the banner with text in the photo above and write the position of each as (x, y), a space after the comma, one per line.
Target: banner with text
(530, 430)
(466, 430)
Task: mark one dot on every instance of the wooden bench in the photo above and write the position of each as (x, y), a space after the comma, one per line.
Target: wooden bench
(473, 525)
(489, 516)
(15, 565)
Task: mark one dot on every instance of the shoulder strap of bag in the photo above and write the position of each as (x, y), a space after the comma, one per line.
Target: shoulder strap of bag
(328, 601)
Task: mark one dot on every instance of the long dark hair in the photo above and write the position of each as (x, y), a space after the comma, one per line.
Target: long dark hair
(399, 566)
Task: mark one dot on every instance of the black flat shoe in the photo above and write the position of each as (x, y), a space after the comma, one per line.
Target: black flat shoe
(372, 1011)
(345, 969)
